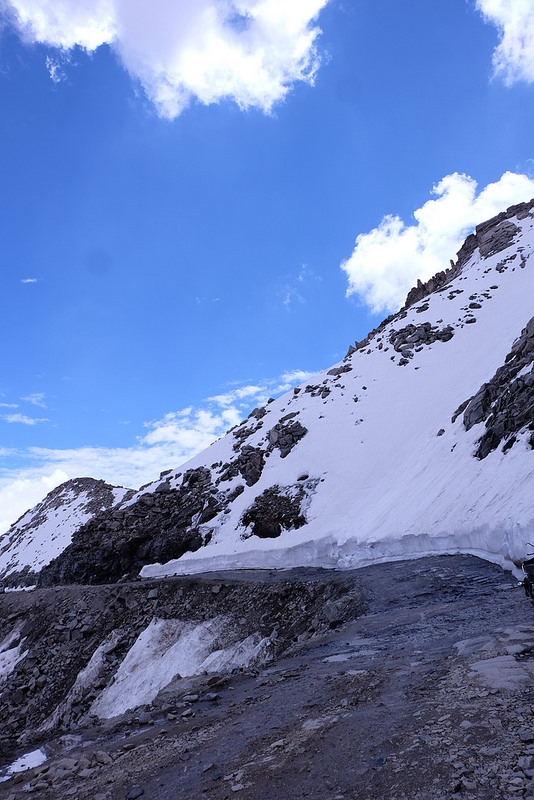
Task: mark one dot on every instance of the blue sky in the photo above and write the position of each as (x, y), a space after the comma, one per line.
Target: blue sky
(183, 185)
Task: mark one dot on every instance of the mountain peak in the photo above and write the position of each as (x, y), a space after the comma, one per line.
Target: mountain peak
(42, 533)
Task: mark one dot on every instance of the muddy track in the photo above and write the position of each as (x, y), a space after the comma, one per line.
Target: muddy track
(406, 681)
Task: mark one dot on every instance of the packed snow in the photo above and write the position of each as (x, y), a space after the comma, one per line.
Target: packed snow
(10, 654)
(170, 649)
(33, 759)
(396, 478)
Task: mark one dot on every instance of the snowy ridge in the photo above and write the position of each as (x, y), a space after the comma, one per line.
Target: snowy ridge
(382, 471)
(420, 441)
(42, 533)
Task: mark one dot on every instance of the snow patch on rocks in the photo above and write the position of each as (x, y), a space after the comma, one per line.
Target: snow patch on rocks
(169, 649)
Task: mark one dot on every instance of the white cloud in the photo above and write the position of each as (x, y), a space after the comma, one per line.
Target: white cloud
(57, 75)
(387, 261)
(22, 419)
(36, 399)
(251, 51)
(167, 443)
(22, 493)
(514, 56)
(28, 280)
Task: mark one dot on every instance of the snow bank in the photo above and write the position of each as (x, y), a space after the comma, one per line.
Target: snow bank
(10, 654)
(168, 649)
(27, 761)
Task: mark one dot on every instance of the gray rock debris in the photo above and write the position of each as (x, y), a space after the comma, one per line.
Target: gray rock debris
(412, 337)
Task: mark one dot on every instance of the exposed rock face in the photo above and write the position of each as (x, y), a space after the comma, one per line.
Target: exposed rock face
(249, 464)
(436, 282)
(494, 236)
(506, 402)
(275, 510)
(161, 525)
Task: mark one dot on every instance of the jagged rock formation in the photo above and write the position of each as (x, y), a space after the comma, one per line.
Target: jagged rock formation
(490, 237)
(506, 402)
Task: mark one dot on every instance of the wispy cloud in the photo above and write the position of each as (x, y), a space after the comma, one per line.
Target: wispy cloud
(8, 405)
(387, 261)
(251, 51)
(165, 443)
(293, 291)
(28, 280)
(55, 67)
(513, 59)
(36, 399)
(22, 419)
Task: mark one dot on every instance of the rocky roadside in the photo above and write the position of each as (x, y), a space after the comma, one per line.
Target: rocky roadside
(407, 681)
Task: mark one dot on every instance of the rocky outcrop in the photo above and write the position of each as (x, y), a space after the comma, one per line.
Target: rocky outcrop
(506, 402)
(249, 464)
(274, 510)
(25, 547)
(494, 236)
(433, 284)
(490, 237)
(159, 526)
(286, 434)
(412, 338)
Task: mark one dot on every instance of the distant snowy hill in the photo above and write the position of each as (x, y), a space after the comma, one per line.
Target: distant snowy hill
(44, 532)
(419, 441)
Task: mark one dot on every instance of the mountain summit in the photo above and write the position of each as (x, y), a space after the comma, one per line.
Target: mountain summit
(419, 441)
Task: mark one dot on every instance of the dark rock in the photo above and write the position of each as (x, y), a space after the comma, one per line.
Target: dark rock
(158, 527)
(495, 235)
(250, 464)
(506, 402)
(339, 370)
(406, 339)
(285, 436)
(274, 510)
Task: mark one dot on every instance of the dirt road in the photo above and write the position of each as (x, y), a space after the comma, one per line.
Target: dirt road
(418, 688)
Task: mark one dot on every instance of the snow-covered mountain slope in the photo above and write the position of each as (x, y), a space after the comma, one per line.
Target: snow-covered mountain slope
(44, 532)
(420, 441)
